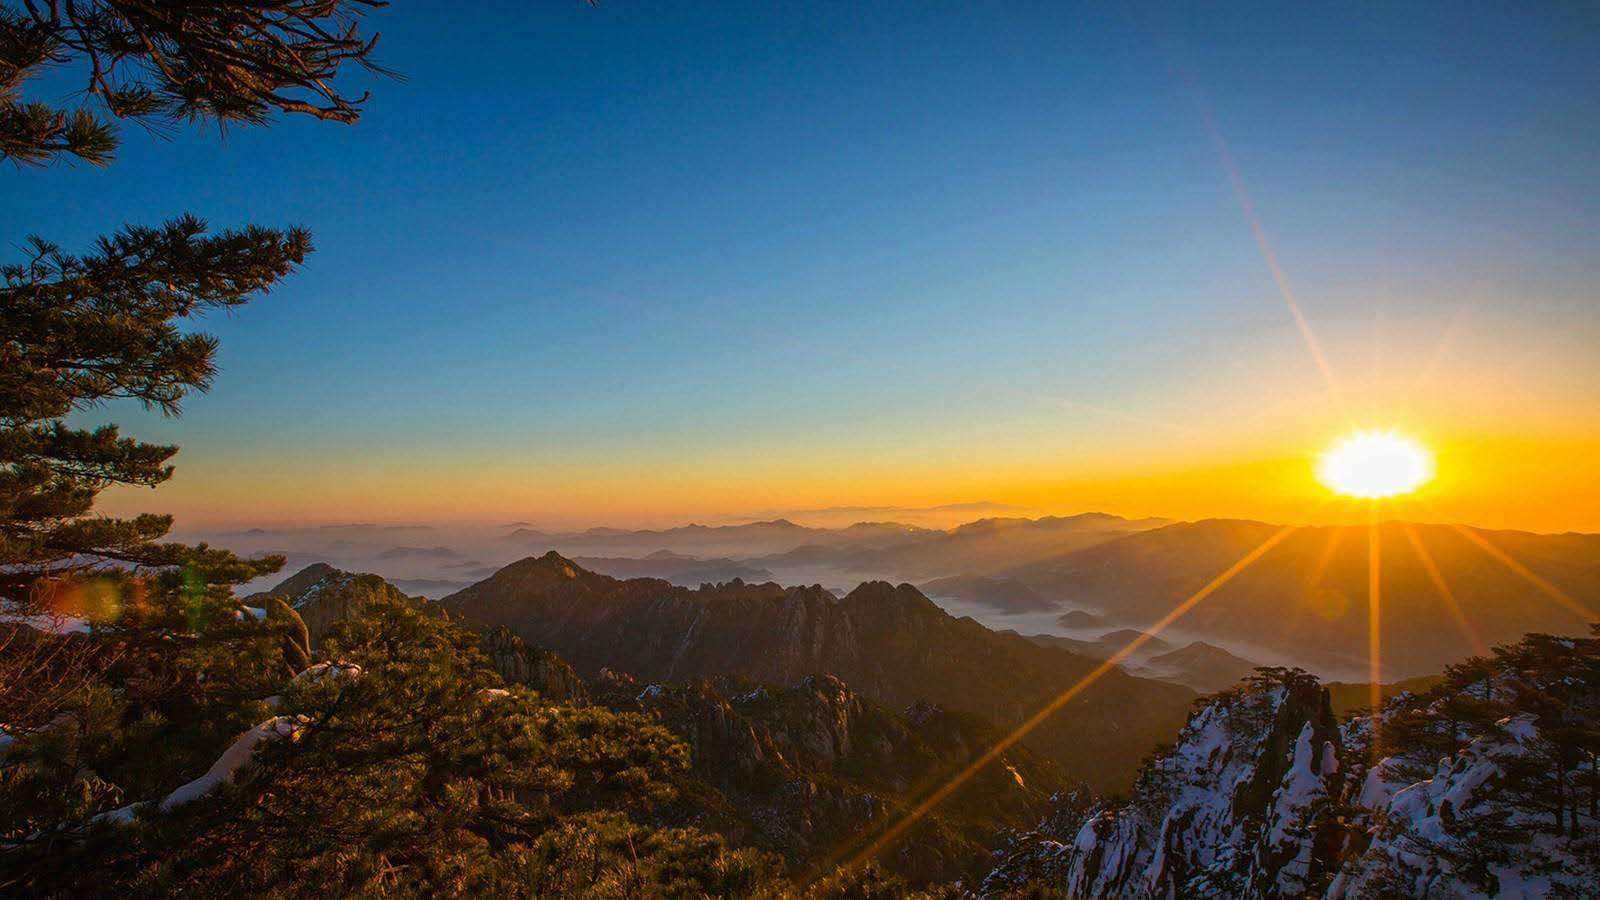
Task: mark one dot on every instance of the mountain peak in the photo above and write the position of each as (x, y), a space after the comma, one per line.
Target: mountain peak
(882, 594)
(299, 581)
(543, 572)
(558, 563)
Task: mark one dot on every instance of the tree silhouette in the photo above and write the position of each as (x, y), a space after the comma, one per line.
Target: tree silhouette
(76, 331)
(157, 61)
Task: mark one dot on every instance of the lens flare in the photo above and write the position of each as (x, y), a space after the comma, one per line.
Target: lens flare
(1375, 464)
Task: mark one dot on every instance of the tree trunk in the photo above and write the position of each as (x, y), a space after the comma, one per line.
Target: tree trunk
(1561, 799)
(1594, 786)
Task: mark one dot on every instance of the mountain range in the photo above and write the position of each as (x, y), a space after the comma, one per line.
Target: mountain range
(814, 720)
(1305, 599)
(985, 546)
(1478, 785)
(890, 643)
(1303, 602)
(747, 540)
(677, 568)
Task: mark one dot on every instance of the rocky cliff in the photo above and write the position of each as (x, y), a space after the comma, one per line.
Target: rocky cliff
(813, 770)
(519, 662)
(1484, 786)
(323, 595)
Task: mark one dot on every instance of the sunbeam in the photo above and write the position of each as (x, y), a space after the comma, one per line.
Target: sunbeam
(1320, 567)
(1439, 584)
(1264, 243)
(1021, 731)
(1555, 593)
(1374, 622)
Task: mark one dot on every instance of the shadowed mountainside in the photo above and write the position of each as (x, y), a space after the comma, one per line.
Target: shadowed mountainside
(1306, 598)
(813, 769)
(677, 568)
(889, 643)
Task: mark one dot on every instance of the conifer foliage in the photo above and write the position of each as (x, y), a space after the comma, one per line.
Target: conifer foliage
(179, 741)
(156, 61)
(80, 330)
(76, 331)
(407, 766)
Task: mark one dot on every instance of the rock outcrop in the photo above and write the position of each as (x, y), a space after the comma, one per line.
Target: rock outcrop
(1224, 812)
(323, 595)
(812, 770)
(1484, 786)
(521, 663)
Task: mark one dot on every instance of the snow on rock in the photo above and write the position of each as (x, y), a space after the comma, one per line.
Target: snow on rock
(1286, 857)
(233, 759)
(47, 622)
(327, 582)
(1419, 844)
(1235, 809)
(1481, 788)
(1381, 783)
(223, 771)
(239, 753)
(329, 671)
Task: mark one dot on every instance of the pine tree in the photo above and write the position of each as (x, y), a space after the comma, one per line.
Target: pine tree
(76, 331)
(172, 668)
(160, 62)
(80, 330)
(412, 768)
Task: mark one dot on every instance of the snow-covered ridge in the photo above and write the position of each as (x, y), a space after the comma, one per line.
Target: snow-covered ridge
(1264, 796)
(1225, 809)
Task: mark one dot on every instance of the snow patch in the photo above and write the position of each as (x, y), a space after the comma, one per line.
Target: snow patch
(223, 771)
(329, 671)
(47, 622)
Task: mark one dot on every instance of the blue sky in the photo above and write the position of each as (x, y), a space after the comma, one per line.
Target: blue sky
(673, 240)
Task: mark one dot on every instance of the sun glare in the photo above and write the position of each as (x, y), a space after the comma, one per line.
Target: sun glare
(1375, 464)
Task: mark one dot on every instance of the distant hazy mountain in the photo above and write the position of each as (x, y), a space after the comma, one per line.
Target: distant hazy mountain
(1003, 594)
(983, 547)
(1205, 667)
(890, 643)
(674, 567)
(1306, 598)
(747, 540)
(1092, 649)
(1198, 665)
(1348, 697)
(1125, 636)
(947, 515)
(1078, 619)
(432, 588)
(362, 529)
(1104, 647)
(439, 553)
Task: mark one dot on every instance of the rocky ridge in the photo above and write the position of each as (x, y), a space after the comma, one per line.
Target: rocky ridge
(888, 642)
(1484, 786)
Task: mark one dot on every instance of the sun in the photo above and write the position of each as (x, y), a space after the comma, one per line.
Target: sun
(1375, 464)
